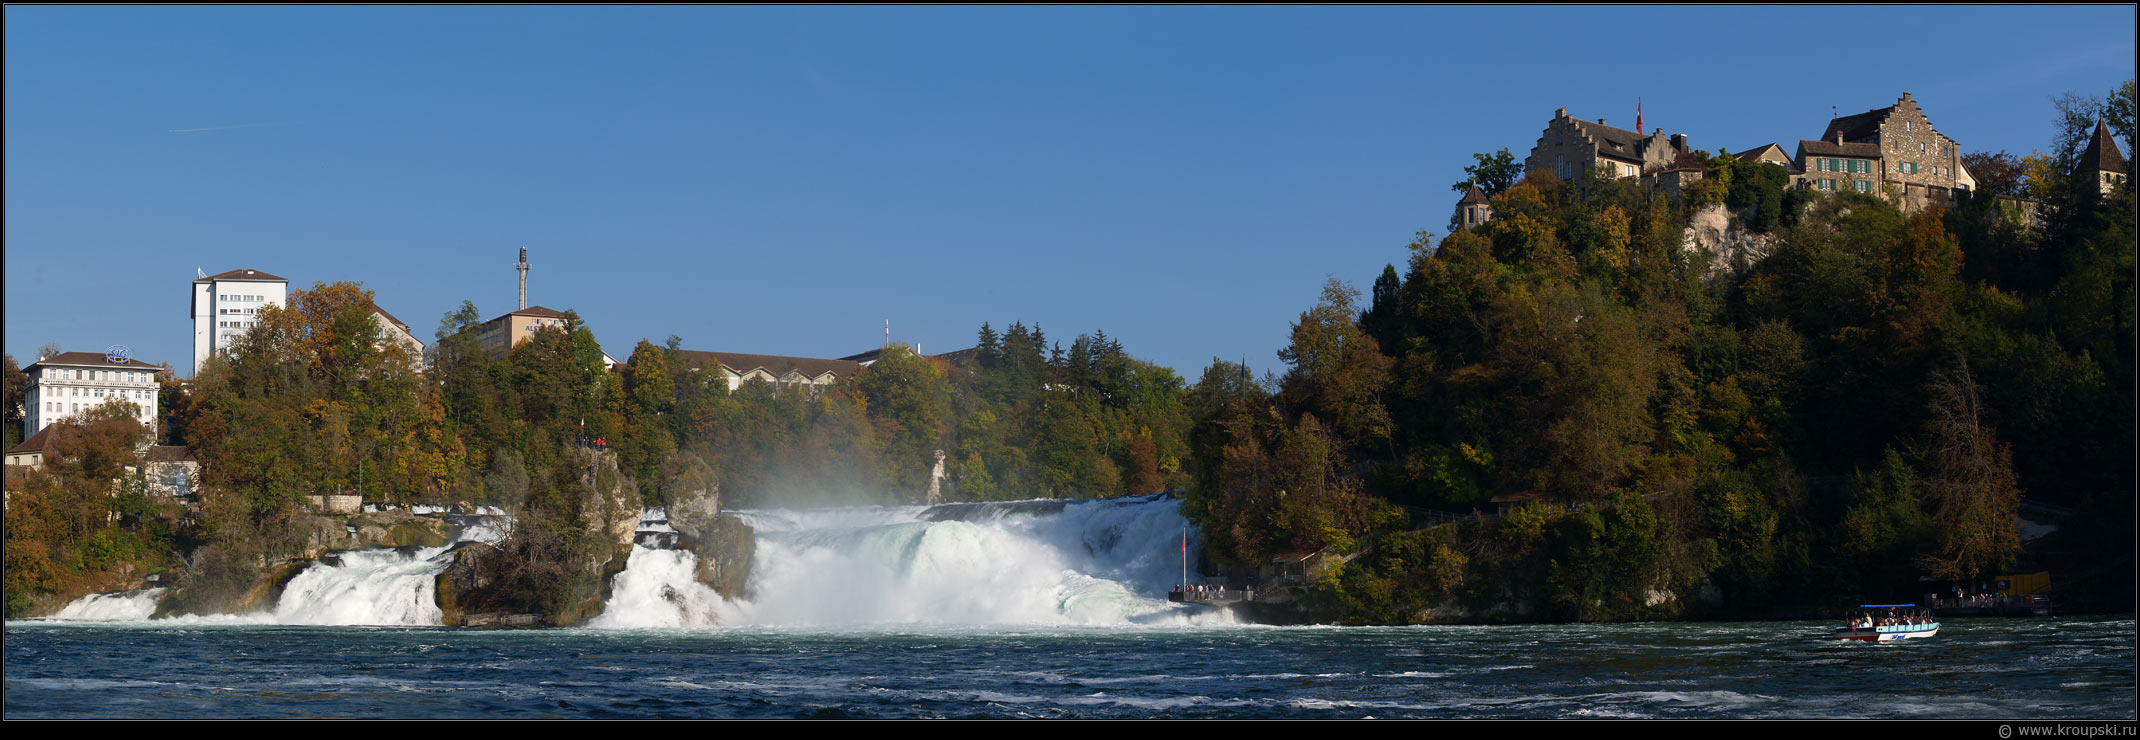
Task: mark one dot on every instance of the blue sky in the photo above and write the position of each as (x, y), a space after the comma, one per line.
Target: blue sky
(782, 180)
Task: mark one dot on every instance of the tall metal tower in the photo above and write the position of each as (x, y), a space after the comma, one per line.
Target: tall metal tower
(522, 266)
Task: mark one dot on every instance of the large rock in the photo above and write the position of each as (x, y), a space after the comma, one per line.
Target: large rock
(724, 551)
(225, 586)
(1730, 247)
(525, 576)
(693, 512)
(464, 577)
(326, 533)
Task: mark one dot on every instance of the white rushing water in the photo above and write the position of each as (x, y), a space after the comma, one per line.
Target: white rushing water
(660, 588)
(378, 586)
(368, 587)
(122, 606)
(1090, 563)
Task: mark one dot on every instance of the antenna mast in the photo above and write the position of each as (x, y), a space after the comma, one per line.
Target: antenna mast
(522, 266)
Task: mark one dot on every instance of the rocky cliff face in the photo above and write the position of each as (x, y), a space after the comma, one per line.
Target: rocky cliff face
(560, 574)
(724, 544)
(325, 533)
(1729, 246)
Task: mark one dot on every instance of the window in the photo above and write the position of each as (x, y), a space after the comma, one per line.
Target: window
(1864, 186)
(1827, 183)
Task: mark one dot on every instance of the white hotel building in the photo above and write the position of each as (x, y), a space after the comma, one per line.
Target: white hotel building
(66, 384)
(227, 304)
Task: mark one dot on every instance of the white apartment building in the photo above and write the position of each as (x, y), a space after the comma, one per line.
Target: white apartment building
(66, 384)
(227, 304)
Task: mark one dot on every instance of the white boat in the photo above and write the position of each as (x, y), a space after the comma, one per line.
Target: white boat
(1871, 630)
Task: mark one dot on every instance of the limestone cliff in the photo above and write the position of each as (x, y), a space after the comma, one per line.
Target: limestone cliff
(723, 544)
(1713, 232)
(558, 561)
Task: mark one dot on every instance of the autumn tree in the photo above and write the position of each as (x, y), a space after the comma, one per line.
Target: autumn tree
(1970, 483)
(1336, 370)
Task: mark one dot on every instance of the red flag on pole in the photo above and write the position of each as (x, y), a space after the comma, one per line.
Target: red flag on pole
(1638, 115)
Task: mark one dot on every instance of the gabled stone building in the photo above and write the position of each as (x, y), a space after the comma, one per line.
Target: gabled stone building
(1570, 146)
(1892, 152)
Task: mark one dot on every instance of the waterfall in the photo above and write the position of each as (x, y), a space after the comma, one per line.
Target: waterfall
(1100, 562)
(660, 588)
(121, 606)
(381, 586)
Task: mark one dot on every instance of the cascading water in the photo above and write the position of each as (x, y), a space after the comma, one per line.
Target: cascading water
(377, 586)
(122, 606)
(1026, 563)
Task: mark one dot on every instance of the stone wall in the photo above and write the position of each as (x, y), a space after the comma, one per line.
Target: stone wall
(1908, 137)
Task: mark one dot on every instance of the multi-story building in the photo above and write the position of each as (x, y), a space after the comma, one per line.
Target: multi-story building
(66, 384)
(737, 368)
(1892, 152)
(499, 336)
(394, 333)
(227, 304)
(1569, 147)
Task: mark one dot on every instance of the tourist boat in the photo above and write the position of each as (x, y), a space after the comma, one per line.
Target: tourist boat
(1876, 632)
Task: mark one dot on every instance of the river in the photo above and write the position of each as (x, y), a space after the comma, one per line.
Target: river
(1033, 609)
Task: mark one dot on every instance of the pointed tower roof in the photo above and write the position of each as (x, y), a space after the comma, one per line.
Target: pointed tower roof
(2102, 152)
(1475, 196)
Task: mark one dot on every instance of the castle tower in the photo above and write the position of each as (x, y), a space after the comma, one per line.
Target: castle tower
(2102, 166)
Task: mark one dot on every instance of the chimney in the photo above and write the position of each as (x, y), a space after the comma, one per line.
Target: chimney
(1601, 121)
(1560, 113)
(1905, 96)
(1679, 141)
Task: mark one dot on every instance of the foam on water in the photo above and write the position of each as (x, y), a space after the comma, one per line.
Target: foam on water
(122, 606)
(1102, 562)
(368, 587)
(660, 588)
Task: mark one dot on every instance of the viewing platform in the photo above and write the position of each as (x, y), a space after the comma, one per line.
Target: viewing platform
(1211, 595)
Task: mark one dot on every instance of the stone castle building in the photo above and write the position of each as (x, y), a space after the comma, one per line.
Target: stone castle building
(1570, 146)
(1893, 152)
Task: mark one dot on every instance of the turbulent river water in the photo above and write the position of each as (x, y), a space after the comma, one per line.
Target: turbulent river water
(1030, 609)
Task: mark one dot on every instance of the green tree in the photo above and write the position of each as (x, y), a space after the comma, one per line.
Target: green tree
(1492, 174)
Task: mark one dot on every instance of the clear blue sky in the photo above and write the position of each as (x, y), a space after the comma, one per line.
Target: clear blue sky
(782, 180)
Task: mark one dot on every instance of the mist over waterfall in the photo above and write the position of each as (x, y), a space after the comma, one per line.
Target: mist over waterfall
(1100, 562)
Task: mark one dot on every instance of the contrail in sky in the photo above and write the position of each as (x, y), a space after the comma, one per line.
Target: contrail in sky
(216, 128)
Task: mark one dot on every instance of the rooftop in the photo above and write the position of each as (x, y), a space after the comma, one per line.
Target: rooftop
(242, 274)
(91, 359)
(740, 363)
